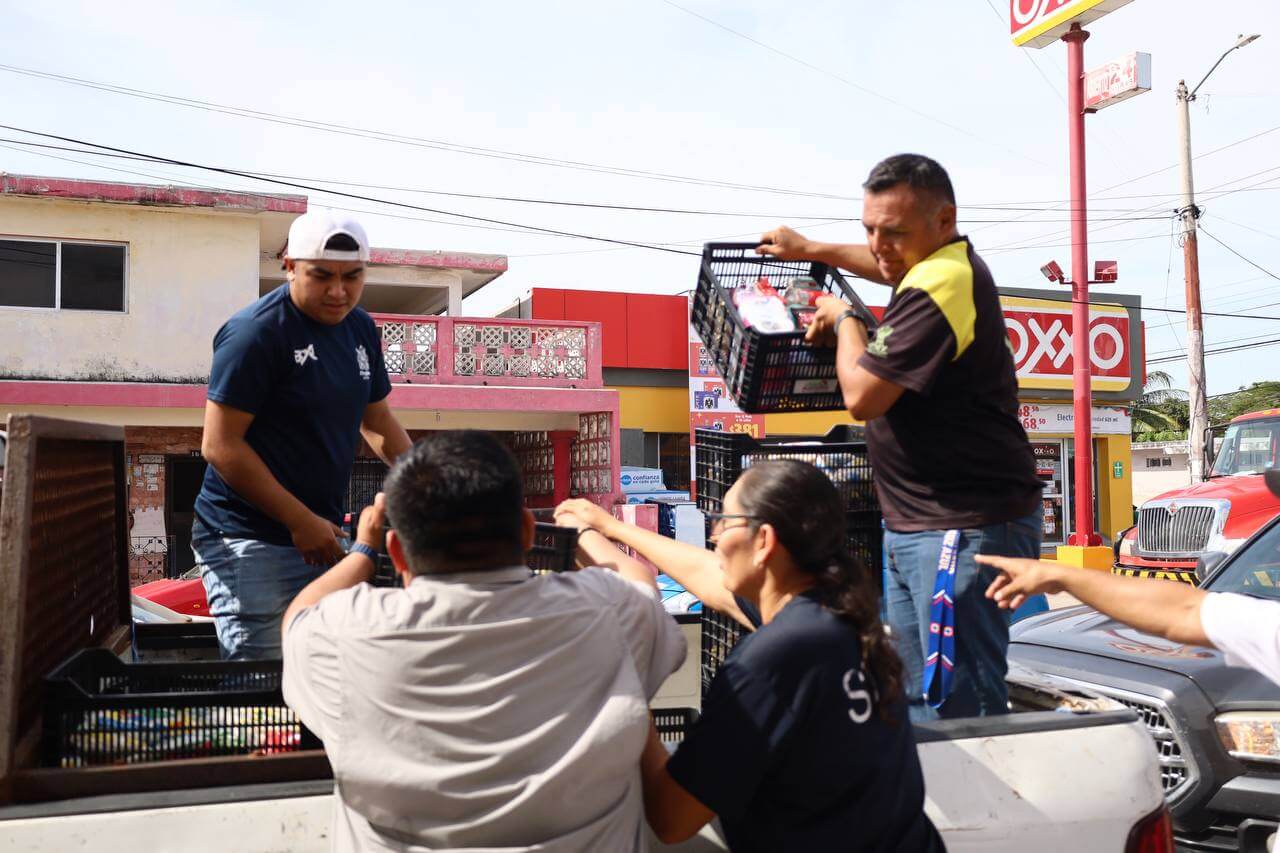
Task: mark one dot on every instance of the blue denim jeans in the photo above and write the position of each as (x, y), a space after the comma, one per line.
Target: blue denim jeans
(982, 629)
(249, 584)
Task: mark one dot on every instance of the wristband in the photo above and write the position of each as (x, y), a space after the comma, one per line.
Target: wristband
(361, 548)
(847, 315)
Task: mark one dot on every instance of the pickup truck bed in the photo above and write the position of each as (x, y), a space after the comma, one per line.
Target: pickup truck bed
(1046, 780)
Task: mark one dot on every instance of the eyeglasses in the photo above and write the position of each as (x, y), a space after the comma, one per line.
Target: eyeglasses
(718, 520)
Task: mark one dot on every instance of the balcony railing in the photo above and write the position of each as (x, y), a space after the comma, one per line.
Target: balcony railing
(490, 351)
(151, 558)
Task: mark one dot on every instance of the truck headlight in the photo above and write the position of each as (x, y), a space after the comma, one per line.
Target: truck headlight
(1127, 545)
(1251, 735)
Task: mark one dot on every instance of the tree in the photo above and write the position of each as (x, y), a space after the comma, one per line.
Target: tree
(1260, 395)
(1161, 413)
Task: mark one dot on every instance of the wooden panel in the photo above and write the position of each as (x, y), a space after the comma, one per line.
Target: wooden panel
(56, 783)
(64, 573)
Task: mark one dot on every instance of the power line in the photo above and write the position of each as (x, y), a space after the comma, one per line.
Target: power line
(451, 194)
(567, 203)
(1209, 153)
(1247, 227)
(554, 232)
(356, 196)
(402, 139)
(1168, 274)
(1172, 351)
(1238, 255)
(1239, 348)
(851, 84)
(459, 148)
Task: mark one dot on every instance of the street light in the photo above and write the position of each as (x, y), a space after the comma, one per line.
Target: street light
(1195, 324)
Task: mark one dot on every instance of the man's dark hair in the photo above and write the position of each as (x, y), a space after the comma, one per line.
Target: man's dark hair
(456, 502)
(921, 173)
(342, 243)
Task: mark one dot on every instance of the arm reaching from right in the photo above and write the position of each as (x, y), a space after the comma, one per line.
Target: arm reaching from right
(696, 569)
(1166, 608)
(786, 244)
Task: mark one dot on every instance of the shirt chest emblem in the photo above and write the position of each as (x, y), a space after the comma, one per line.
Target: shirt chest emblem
(362, 363)
(307, 353)
(879, 345)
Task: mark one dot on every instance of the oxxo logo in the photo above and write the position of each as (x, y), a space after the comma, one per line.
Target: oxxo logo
(1042, 343)
(1027, 12)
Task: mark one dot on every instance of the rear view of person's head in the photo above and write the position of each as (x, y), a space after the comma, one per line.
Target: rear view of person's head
(456, 503)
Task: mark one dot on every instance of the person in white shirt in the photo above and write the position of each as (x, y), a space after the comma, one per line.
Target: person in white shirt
(1244, 628)
(480, 707)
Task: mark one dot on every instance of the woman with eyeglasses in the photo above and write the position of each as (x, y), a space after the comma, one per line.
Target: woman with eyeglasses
(804, 742)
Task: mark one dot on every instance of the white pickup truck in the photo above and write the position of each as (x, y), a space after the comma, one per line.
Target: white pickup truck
(1066, 771)
(1082, 777)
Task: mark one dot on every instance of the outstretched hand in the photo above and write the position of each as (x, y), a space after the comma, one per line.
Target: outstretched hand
(581, 514)
(1020, 578)
(783, 243)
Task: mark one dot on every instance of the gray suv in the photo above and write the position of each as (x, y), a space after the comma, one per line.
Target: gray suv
(1215, 728)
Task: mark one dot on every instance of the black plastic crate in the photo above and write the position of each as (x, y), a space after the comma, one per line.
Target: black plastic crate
(553, 548)
(720, 633)
(721, 457)
(367, 477)
(673, 724)
(100, 710)
(766, 372)
(166, 636)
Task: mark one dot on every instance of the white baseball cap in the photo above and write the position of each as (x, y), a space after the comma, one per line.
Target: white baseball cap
(312, 230)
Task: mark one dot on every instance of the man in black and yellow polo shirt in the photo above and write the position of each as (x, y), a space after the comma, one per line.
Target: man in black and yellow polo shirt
(937, 390)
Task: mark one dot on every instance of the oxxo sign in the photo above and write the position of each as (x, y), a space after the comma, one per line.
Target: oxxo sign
(1036, 23)
(1040, 336)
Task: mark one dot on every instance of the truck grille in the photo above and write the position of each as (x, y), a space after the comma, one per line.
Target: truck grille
(1174, 771)
(1184, 531)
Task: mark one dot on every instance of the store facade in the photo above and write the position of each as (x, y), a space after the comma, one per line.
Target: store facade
(1040, 335)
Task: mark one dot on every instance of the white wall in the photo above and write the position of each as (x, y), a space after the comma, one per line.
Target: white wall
(1149, 482)
(188, 271)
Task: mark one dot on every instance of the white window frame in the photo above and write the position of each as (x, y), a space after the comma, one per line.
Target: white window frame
(57, 274)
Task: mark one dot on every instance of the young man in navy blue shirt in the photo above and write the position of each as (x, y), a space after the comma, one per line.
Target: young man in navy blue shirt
(297, 379)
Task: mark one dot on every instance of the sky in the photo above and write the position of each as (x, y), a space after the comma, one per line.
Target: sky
(665, 105)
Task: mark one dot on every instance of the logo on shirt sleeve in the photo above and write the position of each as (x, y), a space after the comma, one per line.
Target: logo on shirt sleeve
(362, 363)
(301, 356)
(879, 345)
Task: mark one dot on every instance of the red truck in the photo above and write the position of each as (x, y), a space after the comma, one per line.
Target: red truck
(1184, 533)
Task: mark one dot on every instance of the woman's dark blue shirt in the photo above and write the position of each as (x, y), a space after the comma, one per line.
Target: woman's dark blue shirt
(791, 751)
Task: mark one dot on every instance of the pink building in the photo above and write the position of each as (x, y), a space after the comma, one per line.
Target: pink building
(110, 295)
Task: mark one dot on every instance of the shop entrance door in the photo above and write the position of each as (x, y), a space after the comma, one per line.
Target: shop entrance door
(1071, 486)
(1050, 468)
(183, 477)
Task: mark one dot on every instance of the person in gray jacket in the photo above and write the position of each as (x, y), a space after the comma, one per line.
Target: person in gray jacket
(481, 706)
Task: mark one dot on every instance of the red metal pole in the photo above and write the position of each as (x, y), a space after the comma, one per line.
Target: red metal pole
(1081, 382)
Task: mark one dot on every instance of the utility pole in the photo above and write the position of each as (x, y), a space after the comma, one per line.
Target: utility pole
(1197, 404)
(1189, 213)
